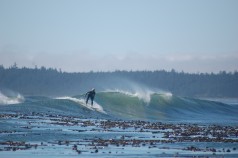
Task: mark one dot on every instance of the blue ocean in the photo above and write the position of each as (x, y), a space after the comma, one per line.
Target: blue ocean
(118, 124)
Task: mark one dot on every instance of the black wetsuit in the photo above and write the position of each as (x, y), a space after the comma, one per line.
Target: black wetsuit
(91, 95)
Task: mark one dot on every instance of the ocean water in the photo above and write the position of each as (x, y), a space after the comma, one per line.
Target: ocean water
(149, 125)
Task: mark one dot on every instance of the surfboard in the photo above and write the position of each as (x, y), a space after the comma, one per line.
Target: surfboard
(82, 102)
(89, 106)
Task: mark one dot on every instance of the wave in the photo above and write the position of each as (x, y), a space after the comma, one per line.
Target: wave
(6, 100)
(128, 105)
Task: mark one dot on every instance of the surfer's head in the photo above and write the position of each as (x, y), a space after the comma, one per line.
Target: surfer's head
(93, 89)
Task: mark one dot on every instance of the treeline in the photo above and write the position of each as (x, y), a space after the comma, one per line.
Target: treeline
(43, 81)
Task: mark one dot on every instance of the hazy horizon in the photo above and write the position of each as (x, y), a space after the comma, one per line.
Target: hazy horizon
(82, 36)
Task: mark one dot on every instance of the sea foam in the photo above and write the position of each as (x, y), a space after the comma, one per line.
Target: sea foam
(6, 100)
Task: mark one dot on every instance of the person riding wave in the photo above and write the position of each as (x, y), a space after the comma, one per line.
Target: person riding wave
(90, 94)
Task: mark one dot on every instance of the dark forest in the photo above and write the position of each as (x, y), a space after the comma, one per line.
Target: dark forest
(52, 82)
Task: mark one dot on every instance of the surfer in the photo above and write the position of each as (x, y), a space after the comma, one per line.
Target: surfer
(90, 94)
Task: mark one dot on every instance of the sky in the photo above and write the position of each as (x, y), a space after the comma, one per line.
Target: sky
(107, 35)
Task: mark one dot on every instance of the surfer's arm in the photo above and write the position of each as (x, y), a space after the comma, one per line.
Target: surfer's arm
(86, 94)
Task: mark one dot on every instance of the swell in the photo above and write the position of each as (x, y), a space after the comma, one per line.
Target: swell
(49, 106)
(119, 105)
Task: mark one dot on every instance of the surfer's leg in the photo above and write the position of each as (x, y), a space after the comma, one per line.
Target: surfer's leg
(92, 101)
(87, 100)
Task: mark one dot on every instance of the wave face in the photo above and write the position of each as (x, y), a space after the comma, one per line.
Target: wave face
(166, 107)
(122, 105)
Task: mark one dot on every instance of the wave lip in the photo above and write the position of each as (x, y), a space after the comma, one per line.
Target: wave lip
(6, 100)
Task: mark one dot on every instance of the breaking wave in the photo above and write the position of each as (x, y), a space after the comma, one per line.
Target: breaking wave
(6, 100)
(127, 105)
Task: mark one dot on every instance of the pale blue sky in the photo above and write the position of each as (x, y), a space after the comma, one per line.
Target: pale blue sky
(84, 35)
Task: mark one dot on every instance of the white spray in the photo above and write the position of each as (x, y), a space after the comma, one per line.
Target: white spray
(6, 100)
(142, 92)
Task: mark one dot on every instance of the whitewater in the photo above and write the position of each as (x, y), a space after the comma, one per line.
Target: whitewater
(6, 100)
(81, 101)
(118, 124)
